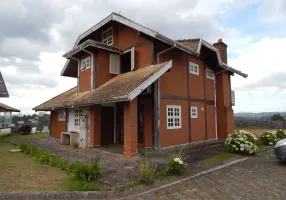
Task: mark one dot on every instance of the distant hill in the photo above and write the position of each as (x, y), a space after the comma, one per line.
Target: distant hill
(257, 115)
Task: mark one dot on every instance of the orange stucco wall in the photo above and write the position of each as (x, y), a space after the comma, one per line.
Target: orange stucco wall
(198, 131)
(170, 137)
(148, 121)
(127, 37)
(197, 81)
(103, 74)
(56, 126)
(143, 56)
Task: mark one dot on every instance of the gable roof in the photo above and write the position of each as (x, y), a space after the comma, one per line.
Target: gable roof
(123, 87)
(3, 88)
(188, 47)
(6, 108)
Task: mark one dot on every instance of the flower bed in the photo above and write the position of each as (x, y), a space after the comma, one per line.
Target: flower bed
(241, 142)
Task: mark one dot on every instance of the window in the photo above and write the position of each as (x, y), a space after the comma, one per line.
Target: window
(85, 64)
(77, 115)
(107, 37)
(194, 112)
(210, 74)
(174, 117)
(61, 115)
(194, 68)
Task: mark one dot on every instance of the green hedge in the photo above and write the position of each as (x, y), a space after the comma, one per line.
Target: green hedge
(80, 170)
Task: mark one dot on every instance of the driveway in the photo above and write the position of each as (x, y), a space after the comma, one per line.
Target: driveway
(260, 177)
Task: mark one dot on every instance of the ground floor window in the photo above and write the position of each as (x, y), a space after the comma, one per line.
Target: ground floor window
(194, 112)
(61, 115)
(77, 115)
(174, 117)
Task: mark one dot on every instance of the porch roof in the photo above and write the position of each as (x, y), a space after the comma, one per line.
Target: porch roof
(124, 87)
(6, 108)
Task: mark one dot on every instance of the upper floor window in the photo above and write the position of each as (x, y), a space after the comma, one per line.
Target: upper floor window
(77, 115)
(174, 117)
(194, 112)
(107, 36)
(85, 64)
(210, 74)
(61, 115)
(194, 68)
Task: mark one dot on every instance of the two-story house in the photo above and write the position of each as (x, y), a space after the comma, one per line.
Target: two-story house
(138, 88)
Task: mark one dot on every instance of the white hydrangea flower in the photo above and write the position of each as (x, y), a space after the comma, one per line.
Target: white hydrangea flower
(176, 159)
(241, 145)
(181, 162)
(270, 143)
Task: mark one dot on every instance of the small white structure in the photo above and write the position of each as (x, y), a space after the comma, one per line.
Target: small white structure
(6, 118)
(45, 129)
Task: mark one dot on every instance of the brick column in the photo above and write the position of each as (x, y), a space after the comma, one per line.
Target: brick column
(130, 129)
(95, 126)
(225, 121)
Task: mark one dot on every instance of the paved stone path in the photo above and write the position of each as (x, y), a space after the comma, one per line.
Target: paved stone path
(260, 177)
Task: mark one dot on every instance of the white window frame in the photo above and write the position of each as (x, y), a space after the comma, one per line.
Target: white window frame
(61, 115)
(194, 112)
(107, 39)
(194, 68)
(77, 115)
(83, 62)
(210, 74)
(172, 118)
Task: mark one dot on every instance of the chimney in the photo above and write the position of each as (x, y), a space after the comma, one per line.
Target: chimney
(222, 49)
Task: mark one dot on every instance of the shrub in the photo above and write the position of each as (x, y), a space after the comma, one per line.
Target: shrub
(25, 129)
(146, 171)
(241, 142)
(176, 164)
(280, 135)
(87, 172)
(268, 138)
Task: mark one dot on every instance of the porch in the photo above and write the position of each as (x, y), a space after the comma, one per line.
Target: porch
(123, 127)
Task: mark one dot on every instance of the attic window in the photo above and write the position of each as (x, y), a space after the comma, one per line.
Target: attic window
(210, 74)
(194, 68)
(85, 64)
(107, 37)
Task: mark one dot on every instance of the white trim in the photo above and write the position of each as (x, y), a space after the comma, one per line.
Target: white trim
(173, 117)
(210, 74)
(196, 108)
(149, 81)
(194, 65)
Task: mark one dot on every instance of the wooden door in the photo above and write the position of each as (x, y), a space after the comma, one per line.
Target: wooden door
(107, 125)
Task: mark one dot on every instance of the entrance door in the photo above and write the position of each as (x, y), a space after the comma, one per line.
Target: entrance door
(107, 125)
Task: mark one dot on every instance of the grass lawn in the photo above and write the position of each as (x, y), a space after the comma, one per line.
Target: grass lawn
(218, 158)
(19, 172)
(256, 130)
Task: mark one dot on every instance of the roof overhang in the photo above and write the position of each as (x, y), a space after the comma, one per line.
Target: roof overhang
(110, 91)
(6, 108)
(220, 63)
(70, 68)
(3, 88)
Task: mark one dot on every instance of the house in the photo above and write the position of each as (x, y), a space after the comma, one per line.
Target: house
(138, 88)
(5, 110)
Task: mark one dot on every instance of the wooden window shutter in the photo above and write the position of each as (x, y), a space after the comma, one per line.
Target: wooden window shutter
(132, 58)
(114, 63)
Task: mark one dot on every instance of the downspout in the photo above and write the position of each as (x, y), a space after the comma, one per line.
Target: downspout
(78, 66)
(189, 97)
(91, 72)
(205, 101)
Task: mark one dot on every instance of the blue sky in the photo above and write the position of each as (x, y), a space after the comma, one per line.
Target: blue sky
(253, 29)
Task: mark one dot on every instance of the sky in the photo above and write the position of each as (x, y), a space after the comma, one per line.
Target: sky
(35, 34)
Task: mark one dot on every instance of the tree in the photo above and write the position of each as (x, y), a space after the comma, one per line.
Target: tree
(277, 117)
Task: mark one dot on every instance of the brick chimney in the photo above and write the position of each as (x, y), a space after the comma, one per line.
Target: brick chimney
(222, 49)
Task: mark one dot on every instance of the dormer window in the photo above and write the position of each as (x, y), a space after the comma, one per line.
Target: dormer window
(107, 37)
(85, 64)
